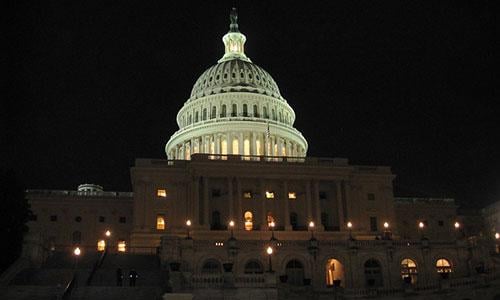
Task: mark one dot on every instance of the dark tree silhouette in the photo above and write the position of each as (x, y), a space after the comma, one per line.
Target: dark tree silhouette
(14, 214)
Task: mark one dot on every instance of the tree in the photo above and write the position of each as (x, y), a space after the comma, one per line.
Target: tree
(14, 214)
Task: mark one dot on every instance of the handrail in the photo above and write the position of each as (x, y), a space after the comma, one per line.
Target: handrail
(69, 287)
(96, 266)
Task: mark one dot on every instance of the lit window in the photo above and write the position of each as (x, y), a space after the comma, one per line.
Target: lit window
(160, 222)
(269, 195)
(248, 220)
(443, 266)
(409, 270)
(161, 193)
(219, 244)
(122, 246)
(101, 245)
(292, 195)
(247, 195)
(270, 220)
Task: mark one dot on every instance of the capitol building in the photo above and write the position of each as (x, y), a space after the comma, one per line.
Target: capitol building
(237, 210)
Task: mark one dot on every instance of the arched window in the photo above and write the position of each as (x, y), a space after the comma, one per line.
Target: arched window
(373, 273)
(248, 220)
(76, 237)
(214, 112)
(295, 272)
(334, 273)
(223, 145)
(101, 245)
(253, 267)
(245, 110)
(215, 224)
(294, 220)
(443, 266)
(246, 147)
(236, 146)
(211, 266)
(409, 271)
(273, 113)
(264, 110)
(122, 246)
(196, 117)
(223, 113)
(280, 117)
(160, 222)
(189, 119)
(234, 111)
(204, 114)
(255, 111)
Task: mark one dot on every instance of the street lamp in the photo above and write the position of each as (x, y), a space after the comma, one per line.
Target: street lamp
(497, 235)
(269, 251)
(387, 232)
(77, 253)
(349, 226)
(271, 226)
(231, 226)
(188, 226)
(311, 227)
(107, 233)
(421, 226)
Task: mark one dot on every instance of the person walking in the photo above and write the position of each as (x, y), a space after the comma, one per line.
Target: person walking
(119, 277)
(133, 277)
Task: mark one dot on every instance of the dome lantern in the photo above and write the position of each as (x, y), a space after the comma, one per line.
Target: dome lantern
(234, 40)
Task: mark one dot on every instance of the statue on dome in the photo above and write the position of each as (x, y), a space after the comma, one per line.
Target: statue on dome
(233, 17)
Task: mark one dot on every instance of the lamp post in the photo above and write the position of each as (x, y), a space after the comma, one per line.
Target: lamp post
(107, 234)
(188, 226)
(459, 230)
(231, 227)
(421, 226)
(77, 253)
(269, 251)
(311, 227)
(271, 226)
(387, 231)
(349, 226)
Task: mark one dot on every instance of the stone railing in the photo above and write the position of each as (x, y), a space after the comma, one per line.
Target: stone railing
(207, 281)
(250, 280)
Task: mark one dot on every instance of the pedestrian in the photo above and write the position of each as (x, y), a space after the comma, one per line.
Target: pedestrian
(119, 277)
(133, 277)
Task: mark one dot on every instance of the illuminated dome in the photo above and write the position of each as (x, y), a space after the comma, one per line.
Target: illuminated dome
(235, 75)
(236, 107)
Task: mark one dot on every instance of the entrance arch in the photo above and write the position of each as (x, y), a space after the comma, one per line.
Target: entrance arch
(334, 273)
(373, 273)
(295, 272)
(409, 270)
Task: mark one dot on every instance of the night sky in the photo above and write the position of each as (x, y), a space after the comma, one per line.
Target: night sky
(93, 85)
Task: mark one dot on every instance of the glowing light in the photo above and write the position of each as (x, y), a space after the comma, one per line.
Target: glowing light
(188, 223)
(421, 225)
(272, 224)
(497, 235)
(107, 233)
(386, 225)
(311, 224)
(231, 223)
(269, 195)
(101, 245)
(269, 250)
(77, 251)
(349, 225)
(161, 193)
(457, 225)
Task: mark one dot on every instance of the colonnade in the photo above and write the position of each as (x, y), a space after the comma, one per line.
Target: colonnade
(239, 143)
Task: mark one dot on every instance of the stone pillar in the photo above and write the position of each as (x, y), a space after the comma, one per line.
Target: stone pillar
(230, 198)
(340, 208)
(217, 144)
(308, 201)
(286, 205)
(195, 213)
(176, 155)
(229, 138)
(206, 208)
(264, 200)
(241, 148)
(253, 144)
(240, 224)
(317, 206)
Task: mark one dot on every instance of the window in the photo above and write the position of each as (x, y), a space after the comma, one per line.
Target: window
(216, 193)
(223, 114)
(101, 245)
(245, 110)
(409, 271)
(373, 273)
(122, 246)
(324, 219)
(216, 223)
(292, 195)
(295, 271)
(441, 223)
(270, 219)
(204, 114)
(247, 194)
(211, 266)
(334, 273)
(53, 218)
(234, 111)
(273, 113)
(76, 237)
(248, 220)
(264, 110)
(294, 220)
(161, 193)
(443, 266)
(373, 224)
(253, 267)
(370, 196)
(255, 111)
(78, 219)
(160, 222)
(322, 195)
(122, 220)
(269, 194)
(214, 112)
(196, 116)
(102, 219)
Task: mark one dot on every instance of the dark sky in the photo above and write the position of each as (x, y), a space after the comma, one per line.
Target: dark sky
(94, 85)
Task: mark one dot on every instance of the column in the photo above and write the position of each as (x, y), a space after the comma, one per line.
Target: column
(230, 197)
(317, 206)
(340, 207)
(286, 207)
(217, 144)
(240, 144)
(205, 203)
(176, 152)
(308, 201)
(194, 215)
(229, 139)
(239, 218)
(264, 200)
(253, 145)
(280, 146)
